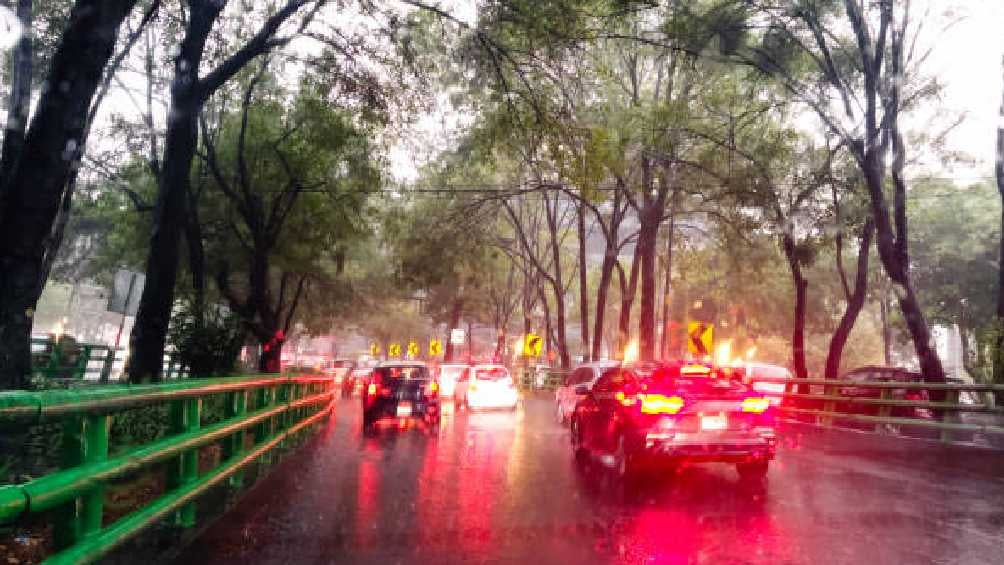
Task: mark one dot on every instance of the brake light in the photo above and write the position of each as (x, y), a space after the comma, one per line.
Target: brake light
(660, 404)
(372, 389)
(624, 399)
(755, 405)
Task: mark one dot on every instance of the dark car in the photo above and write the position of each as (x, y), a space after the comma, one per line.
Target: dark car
(400, 391)
(682, 413)
(888, 374)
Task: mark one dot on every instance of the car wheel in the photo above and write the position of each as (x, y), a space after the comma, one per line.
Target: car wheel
(575, 435)
(625, 465)
(753, 470)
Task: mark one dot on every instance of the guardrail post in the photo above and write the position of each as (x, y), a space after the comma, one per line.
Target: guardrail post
(237, 403)
(67, 523)
(949, 416)
(84, 440)
(186, 416)
(884, 410)
(829, 406)
(95, 450)
(80, 369)
(106, 368)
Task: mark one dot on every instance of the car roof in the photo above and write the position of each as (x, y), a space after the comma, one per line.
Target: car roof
(605, 364)
(401, 364)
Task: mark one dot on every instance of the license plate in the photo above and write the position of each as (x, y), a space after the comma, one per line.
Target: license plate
(717, 422)
(403, 409)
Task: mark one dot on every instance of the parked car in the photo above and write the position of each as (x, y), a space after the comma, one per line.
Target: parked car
(889, 374)
(684, 412)
(987, 416)
(586, 374)
(400, 391)
(486, 386)
(754, 375)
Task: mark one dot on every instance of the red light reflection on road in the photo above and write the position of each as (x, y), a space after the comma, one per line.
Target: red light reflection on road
(367, 501)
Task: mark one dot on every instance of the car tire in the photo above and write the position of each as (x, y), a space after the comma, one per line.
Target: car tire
(575, 436)
(753, 470)
(625, 464)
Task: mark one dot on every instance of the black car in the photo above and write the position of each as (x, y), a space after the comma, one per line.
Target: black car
(681, 413)
(400, 391)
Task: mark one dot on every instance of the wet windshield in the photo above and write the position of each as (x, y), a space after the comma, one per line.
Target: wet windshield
(502, 281)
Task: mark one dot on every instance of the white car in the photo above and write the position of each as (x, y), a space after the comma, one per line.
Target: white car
(485, 386)
(753, 374)
(449, 374)
(585, 374)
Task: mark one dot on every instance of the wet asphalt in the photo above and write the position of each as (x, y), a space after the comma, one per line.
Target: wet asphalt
(502, 487)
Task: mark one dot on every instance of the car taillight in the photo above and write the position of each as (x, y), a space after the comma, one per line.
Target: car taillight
(755, 405)
(625, 399)
(660, 404)
(372, 389)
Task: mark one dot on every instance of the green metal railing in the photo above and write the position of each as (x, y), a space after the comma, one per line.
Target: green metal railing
(56, 359)
(273, 409)
(824, 408)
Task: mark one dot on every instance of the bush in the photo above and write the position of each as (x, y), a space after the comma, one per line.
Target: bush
(207, 343)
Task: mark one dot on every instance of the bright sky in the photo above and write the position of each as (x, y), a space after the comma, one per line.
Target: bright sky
(966, 57)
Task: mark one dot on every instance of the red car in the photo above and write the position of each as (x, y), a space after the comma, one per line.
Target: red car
(681, 413)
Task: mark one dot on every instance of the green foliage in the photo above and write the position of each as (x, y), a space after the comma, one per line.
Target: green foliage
(207, 342)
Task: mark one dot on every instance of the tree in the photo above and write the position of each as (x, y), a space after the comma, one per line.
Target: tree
(859, 84)
(190, 89)
(32, 190)
(293, 180)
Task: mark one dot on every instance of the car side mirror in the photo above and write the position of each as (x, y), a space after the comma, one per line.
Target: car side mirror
(582, 389)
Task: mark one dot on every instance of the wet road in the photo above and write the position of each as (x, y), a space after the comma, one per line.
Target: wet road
(502, 488)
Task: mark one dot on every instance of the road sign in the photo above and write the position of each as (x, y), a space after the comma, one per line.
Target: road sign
(435, 347)
(375, 349)
(457, 336)
(394, 350)
(533, 344)
(412, 349)
(700, 338)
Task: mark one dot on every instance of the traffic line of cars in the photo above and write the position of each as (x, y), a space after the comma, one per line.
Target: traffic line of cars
(402, 391)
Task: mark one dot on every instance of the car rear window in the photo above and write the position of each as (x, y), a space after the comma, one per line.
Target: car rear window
(694, 381)
(406, 373)
(493, 374)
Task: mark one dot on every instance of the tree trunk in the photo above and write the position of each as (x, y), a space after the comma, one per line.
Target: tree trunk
(271, 358)
(583, 284)
(893, 250)
(146, 344)
(999, 333)
(886, 330)
(455, 310)
(855, 303)
(19, 102)
(628, 290)
(800, 285)
(32, 192)
(664, 345)
(557, 283)
(602, 289)
(647, 240)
